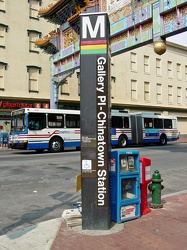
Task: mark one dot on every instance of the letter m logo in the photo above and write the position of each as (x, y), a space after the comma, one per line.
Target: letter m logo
(87, 26)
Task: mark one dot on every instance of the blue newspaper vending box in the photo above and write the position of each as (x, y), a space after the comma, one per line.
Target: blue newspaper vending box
(125, 185)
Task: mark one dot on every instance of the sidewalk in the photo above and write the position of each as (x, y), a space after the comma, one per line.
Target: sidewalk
(182, 140)
(161, 229)
(35, 237)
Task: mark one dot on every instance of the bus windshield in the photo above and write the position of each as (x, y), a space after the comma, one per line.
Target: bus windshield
(18, 123)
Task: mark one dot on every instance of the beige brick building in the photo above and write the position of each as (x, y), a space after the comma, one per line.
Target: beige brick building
(24, 69)
(145, 81)
(141, 80)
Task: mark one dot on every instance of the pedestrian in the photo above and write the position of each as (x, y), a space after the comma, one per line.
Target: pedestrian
(6, 132)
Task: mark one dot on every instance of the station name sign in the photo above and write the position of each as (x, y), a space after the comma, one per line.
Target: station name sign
(102, 131)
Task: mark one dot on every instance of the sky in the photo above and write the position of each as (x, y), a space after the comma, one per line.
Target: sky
(179, 39)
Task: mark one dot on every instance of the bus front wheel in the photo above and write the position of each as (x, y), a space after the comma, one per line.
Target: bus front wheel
(56, 145)
(123, 141)
(163, 139)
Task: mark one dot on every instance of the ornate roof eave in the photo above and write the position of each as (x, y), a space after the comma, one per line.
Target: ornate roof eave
(59, 12)
(51, 8)
(42, 42)
(74, 20)
(78, 12)
(55, 7)
(45, 43)
(49, 48)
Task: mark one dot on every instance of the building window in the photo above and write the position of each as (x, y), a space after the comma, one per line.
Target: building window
(3, 30)
(79, 83)
(133, 89)
(34, 8)
(170, 94)
(113, 80)
(179, 76)
(2, 75)
(2, 5)
(159, 92)
(179, 95)
(33, 36)
(146, 65)
(146, 91)
(65, 88)
(158, 67)
(185, 72)
(133, 58)
(170, 69)
(34, 72)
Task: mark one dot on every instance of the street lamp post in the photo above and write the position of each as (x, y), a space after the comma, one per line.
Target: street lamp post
(57, 81)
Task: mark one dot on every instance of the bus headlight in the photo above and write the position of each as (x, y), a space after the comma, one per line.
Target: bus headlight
(22, 141)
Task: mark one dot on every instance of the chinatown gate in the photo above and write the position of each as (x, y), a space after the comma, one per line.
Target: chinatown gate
(89, 33)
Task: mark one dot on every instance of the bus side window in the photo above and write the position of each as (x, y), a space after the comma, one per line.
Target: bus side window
(167, 123)
(72, 121)
(126, 122)
(117, 122)
(158, 123)
(37, 121)
(55, 120)
(42, 121)
(148, 123)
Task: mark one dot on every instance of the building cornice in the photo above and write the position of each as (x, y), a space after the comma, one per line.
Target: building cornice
(175, 45)
(150, 107)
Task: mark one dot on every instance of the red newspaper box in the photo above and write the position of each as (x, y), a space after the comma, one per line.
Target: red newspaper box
(145, 179)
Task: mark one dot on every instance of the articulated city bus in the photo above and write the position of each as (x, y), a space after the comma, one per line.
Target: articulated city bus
(55, 129)
(152, 127)
(142, 128)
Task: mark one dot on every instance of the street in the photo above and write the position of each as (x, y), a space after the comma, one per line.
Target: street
(38, 187)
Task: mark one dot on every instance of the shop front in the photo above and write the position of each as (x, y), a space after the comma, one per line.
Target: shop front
(8, 105)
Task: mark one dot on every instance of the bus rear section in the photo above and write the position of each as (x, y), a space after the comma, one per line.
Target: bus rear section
(150, 128)
(121, 135)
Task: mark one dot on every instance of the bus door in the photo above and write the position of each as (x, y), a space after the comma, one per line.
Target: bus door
(139, 122)
(137, 129)
(134, 129)
(37, 134)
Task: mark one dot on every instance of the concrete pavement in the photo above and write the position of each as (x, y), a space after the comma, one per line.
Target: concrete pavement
(164, 229)
(35, 237)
